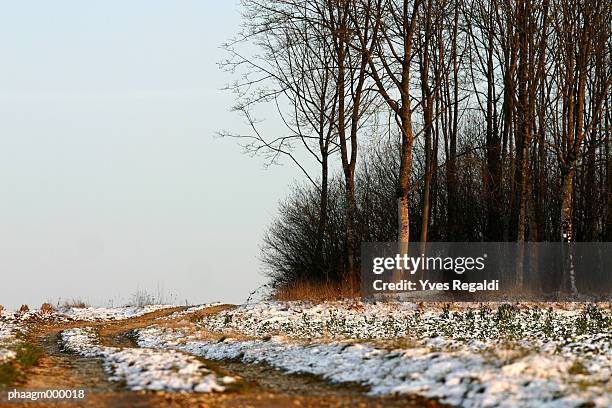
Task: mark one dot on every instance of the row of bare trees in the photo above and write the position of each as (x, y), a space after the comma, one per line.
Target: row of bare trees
(496, 116)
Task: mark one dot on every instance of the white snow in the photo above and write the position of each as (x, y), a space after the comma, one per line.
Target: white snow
(143, 368)
(114, 313)
(6, 338)
(6, 355)
(471, 358)
(6, 331)
(189, 311)
(19, 317)
(389, 320)
(469, 355)
(9, 329)
(83, 313)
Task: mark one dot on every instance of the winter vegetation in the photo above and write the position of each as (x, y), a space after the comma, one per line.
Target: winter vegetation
(16, 354)
(461, 354)
(493, 355)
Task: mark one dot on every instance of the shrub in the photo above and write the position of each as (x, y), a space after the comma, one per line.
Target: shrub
(74, 302)
(46, 308)
(142, 298)
(27, 355)
(315, 291)
(294, 251)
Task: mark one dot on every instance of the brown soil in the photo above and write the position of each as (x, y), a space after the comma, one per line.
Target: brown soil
(261, 386)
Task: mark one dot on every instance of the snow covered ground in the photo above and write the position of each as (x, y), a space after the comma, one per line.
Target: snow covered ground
(146, 369)
(10, 328)
(16, 317)
(387, 320)
(469, 355)
(189, 311)
(474, 356)
(114, 313)
(6, 331)
(90, 314)
(7, 337)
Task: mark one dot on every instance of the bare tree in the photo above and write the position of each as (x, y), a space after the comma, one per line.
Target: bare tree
(393, 24)
(582, 32)
(354, 100)
(296, 75)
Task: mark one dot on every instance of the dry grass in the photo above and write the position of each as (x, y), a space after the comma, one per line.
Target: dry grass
(78, 303)
(318, 291)
(143, 298)
(47, 308)
(27, 356)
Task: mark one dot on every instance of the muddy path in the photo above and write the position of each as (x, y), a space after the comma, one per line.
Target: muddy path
(262, 386)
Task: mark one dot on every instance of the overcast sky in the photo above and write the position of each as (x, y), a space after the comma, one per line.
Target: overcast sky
(111, 179)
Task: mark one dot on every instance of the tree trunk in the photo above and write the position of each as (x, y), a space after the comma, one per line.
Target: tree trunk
(608, 225)
(569, 274)
(493, 176)
(350, 224)
(427, 103)
(403, 190)
(319, 256)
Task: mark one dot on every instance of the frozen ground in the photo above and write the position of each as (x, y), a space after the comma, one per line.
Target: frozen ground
(7, 338)
(16, 318)
(468, 355)
(189, 311)
(146, 369)
(10, 328)
(359, 320)
(114, 313)
(82, 313)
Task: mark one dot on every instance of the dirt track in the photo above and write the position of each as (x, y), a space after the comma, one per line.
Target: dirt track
(262, 386)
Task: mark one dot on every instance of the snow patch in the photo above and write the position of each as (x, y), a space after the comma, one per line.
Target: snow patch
(8, 337)
(471, 355)
(114, 313)
(189, 311)
(462, 377)
(143, 368)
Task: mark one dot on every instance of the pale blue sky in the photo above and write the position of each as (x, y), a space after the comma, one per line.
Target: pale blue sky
(110, 177)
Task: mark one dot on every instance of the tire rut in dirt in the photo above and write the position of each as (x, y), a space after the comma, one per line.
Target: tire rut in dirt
(263, 379)
(69, 369)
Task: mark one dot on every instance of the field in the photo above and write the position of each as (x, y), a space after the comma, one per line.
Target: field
(342, 353)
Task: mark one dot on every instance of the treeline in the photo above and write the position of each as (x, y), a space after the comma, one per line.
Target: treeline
(456, 120)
